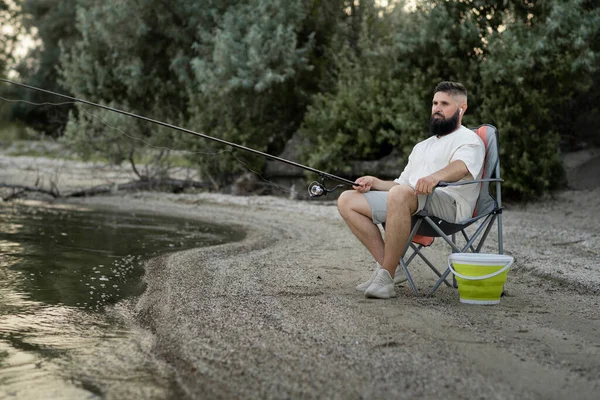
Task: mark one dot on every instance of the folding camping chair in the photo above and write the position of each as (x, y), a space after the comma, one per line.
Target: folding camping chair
(426, 227)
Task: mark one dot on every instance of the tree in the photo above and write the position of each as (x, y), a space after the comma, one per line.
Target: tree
(52, 22)
(9, 33)
(145, 74)
(359, 117)
(521, 62)
(247, 89)
(382, 97)
(354, 79)
(536, 70)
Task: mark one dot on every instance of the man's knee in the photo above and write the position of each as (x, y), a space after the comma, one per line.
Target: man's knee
(345, 200)
(402, 195)
(400, 192)
(353, 201)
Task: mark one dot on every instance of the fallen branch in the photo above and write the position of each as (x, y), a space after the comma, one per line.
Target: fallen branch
(23, 189)
(172, 185)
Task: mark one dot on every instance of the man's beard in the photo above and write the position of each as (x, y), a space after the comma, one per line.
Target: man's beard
(442, 126)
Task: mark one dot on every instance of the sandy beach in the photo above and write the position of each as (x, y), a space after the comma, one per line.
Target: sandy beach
(276, 315)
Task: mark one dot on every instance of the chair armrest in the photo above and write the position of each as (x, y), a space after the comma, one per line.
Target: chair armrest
(444, 184)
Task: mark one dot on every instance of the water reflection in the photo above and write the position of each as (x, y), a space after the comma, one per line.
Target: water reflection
(89, 258)
(60, 266)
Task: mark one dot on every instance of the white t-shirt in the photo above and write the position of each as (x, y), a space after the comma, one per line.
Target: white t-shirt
(434, 154)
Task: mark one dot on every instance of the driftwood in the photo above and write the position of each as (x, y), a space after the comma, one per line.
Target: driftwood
(170, 185)
(18, 190)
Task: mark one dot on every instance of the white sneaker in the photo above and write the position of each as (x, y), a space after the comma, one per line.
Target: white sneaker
(399, 277)
(382, 286)
(365, 285)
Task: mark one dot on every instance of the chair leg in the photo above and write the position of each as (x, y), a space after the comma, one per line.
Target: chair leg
(409, 278)
(454, 283)
(439, 282)
(403, 264)
(433, 268)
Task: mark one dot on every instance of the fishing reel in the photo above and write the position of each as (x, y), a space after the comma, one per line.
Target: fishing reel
(318, 189)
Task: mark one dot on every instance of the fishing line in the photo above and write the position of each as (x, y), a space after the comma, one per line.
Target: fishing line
(94, 116)
(37, 104)
(112, 126)
(315, 189)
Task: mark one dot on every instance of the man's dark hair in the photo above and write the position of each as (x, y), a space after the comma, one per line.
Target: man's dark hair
(452, 88)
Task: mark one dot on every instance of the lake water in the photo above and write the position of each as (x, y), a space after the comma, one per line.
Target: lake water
(62, 270)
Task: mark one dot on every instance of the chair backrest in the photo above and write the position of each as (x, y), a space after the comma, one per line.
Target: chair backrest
(486, 202)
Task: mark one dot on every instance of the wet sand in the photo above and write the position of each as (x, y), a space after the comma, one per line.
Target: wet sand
(276, 315)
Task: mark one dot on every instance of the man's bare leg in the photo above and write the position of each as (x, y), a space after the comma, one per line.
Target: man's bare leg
(402, 204)
(355, 210)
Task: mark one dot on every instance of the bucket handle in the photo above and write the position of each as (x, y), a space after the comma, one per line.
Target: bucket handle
(478, 278)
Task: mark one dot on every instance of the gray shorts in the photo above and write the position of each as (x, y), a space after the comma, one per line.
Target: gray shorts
(442, 205)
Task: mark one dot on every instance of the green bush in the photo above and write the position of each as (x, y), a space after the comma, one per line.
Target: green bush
(364, 119)
(354, 80)
(524, 66)
(382, 99)
(535, 69)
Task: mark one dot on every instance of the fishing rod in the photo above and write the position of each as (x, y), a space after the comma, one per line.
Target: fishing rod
(315, 189)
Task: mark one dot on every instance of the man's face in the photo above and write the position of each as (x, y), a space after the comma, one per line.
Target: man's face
(445, 116)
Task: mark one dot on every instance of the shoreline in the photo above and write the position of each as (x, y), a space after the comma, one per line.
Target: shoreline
(276, 315)
(546, 237)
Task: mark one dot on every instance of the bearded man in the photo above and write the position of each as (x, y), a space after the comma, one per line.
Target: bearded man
(452, 153)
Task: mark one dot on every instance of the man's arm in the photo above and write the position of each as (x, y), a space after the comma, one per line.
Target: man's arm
(454, 172)
(372, 183)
